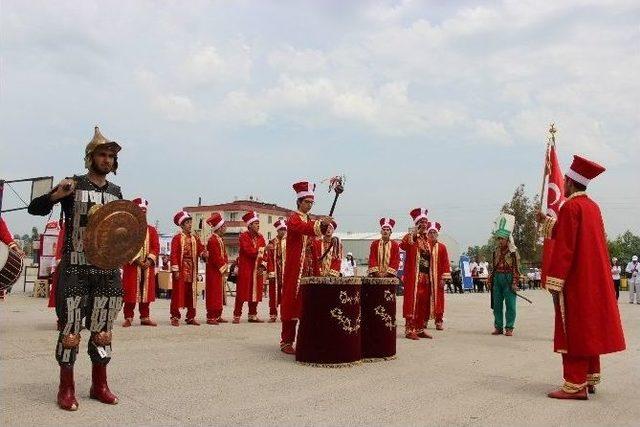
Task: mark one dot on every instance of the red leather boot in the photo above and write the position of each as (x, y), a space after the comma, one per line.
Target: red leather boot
(67, 390)
(99, 387)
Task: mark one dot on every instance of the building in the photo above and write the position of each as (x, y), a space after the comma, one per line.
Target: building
(232, 213)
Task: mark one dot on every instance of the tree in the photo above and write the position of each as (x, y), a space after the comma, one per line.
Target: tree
(525, 233)
(624, 246)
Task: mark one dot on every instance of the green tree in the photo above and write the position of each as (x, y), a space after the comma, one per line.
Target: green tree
(525, 233)
(624, 246)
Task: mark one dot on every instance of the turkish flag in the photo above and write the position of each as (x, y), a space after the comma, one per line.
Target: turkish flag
(555, 200)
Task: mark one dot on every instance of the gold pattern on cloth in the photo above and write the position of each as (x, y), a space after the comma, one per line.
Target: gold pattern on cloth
(192, 244)
(142, 274)
(389, 296)
(345, 322)
(388, 320)
(346, 299)
(593, 379)
(572, 388)
(554, 284)
(384, 255)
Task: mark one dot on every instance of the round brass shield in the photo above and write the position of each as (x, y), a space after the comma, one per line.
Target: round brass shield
(115, 234)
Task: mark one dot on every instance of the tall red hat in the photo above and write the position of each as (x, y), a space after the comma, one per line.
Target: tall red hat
(582, 170)
(334, 224)
(142, 203)
(280, 224)
(387, 222)
(435, 226)
(304, 189)
(418, 214)
(181, 217)
(250, 217)
(215, 221)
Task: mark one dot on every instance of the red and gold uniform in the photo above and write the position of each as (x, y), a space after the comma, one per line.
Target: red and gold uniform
(299, 262)
(186, 248)
(251, 268)
(139, 276)
(384, 256)
(587, 322)
(276, 253)
(330, 264)
(216, 271)
(416, 279)
(440, 271)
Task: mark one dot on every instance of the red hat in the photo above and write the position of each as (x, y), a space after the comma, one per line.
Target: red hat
(181, 217)
(387, 222)
(435, 226)
(418, 214)
(250, 217)
(280, 223)
(334, 224)
(304, 189)
(215, 221)
(582, 170)
(142, 203)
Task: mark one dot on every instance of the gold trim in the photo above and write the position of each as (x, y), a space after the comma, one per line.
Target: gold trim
(572, 388)
(331, 365)
(372, 270)
(379, 359)
(576, 194)
(554, 284)
(317, 228)
(593, 379)
(547, 227)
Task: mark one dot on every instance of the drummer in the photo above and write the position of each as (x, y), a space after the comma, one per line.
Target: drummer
(330, 264)
(384, 254)
(301, 229)
(440, 271)
(84, 290)
(7, 239)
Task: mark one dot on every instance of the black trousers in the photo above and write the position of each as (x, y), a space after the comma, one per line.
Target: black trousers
(616, 284)
(86, 298)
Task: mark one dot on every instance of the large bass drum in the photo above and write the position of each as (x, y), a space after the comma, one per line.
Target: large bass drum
(10, 267)
(378, 318)
(329, 331)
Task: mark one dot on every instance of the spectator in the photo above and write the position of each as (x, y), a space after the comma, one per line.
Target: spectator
(537, 277)
(348, 267)
(633, 273)
(615, 275)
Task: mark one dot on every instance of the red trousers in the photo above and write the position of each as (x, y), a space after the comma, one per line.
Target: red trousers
(237, 310)
(288, 335)
(580, 371)
(274, 297)
(423, 307)
(130, 306)
(214, 313)
(188, 301)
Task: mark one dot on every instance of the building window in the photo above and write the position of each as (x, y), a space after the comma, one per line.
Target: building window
(269, 234)
(270, 219)
(232, 216)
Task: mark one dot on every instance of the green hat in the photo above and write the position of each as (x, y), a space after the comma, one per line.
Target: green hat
(505, 224)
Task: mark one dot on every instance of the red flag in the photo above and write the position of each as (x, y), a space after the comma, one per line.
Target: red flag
(555, 200)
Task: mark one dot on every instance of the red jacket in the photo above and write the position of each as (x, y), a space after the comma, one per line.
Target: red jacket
(5, 234)
(329, 265)
(252, 265)
(384, 259)
(217, 265)
(178, 242)
(132, 274)
(587, 320)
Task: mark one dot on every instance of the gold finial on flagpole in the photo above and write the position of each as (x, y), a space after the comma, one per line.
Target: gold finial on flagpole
(552, 131)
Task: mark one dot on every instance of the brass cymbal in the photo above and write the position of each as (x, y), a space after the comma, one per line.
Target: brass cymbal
(115, 233)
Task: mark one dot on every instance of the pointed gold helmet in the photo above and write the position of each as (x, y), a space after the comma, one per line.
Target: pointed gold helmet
(99, 141)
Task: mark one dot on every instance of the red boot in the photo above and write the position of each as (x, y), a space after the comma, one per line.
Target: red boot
(67, 390)
(99, 387)
(561, 394)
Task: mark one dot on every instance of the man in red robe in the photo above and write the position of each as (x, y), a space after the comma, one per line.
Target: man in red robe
(251, 268)
(139, 276)
(331, 263)
(216, 270)
(276, 250)
(417, 285)
(186, 249)
(299, 261)
(440, 271)
(384, 253)
(587, 322)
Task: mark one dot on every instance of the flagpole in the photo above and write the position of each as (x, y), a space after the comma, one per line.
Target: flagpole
(551, 141)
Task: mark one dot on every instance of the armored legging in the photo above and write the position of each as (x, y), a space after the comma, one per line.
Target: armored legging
(92, 295)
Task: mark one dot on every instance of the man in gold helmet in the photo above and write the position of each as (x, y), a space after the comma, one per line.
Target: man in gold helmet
(85, 292)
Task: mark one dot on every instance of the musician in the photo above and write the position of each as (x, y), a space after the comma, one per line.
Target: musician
(299, 261)
(440, 272)
(139, 276)
(587, 322)
(504, 278)
(633, 273)
(216, 270)
(384, 253)
(276, 253)
(416, 306)
(86, 295)
(252, 265)
(7, 239)
(330, 264)
(186, 249)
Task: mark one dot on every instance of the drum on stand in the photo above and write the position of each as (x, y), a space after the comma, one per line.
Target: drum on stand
(10, 267)
(329, 331)
(378, 318)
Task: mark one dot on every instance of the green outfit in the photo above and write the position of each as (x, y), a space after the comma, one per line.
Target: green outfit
(502, 283)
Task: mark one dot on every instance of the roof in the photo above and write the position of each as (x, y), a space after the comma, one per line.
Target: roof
(242, 205)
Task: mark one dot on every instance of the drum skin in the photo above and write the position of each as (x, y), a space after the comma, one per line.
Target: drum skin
(378, 307)
(330, 325)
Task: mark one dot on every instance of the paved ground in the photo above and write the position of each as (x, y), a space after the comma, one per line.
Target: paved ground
(235, 375)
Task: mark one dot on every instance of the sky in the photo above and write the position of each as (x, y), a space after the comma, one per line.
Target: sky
(442, 105)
